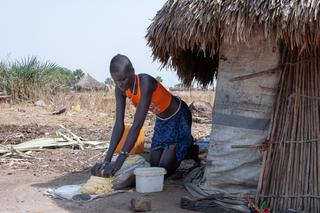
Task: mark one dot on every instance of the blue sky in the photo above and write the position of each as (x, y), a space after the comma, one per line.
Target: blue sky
(81, 34)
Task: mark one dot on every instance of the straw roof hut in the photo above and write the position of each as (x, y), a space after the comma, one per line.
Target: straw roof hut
(264, 54)
(186, 34)
(89, 83)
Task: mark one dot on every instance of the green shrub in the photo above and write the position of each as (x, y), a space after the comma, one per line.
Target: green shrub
(28, 78)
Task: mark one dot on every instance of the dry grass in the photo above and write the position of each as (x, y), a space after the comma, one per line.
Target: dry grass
(97, 101)
(95, 118)
(196, 95)
(105, 101)
(101, 101)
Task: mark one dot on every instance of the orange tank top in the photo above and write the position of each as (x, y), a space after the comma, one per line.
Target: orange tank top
(160, 101)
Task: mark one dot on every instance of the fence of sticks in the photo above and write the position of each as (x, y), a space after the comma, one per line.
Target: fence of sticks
(290, 171)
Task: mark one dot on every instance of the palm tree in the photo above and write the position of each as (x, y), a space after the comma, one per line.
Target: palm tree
(78, 74)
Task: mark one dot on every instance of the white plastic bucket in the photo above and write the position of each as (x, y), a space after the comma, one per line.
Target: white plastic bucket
(149, 179)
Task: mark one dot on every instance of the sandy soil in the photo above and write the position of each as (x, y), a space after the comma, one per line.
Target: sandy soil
(24, 182)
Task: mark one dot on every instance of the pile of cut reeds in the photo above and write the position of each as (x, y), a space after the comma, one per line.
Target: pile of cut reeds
(290, 171)
(65, 138)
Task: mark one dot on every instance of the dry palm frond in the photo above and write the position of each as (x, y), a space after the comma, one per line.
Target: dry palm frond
(43, 143)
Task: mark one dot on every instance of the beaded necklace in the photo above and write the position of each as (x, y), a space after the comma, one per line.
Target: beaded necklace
(134, 85)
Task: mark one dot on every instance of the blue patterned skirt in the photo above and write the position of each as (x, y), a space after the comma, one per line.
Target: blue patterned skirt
(174, 132)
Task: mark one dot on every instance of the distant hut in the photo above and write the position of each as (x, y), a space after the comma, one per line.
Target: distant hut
(3, 94)
(89, 83)
(265, 55)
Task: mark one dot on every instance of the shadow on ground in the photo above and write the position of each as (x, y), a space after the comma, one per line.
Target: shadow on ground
(165, 201)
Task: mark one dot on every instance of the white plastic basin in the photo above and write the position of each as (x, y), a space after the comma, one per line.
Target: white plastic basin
(149, 179)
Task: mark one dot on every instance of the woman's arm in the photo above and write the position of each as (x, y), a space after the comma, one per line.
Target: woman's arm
(118, 127)
(148, 85)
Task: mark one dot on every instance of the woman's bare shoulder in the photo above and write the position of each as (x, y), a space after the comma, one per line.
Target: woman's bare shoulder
(147, 81)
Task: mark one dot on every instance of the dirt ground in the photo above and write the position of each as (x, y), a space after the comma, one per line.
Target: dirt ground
(22, 191)
(24, 182)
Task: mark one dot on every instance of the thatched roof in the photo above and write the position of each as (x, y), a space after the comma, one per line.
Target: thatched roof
(186, 34)
(89, 83)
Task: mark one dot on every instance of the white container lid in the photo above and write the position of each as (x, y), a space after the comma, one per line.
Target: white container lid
(150, 171)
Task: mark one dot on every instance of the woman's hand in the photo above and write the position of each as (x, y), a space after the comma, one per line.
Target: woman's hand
(99, 169)
(108, 169)
(104, 169)
(95, 170)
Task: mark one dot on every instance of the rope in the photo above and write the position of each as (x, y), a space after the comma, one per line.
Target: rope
(306, 96)
(301, 141)
(290, 196)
